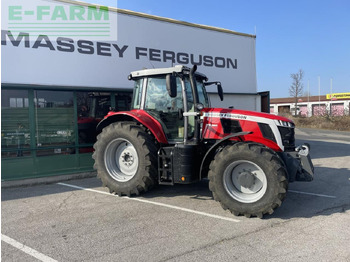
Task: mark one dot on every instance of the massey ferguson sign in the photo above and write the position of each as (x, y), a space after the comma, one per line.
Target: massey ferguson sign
(62, 43)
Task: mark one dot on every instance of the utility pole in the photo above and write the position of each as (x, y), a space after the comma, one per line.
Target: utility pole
(308, 98)
(330, 103)
(319, 95)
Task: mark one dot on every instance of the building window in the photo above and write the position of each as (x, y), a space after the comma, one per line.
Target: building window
(15, 130)
(54, 121)
(18, 102)
(49, 124)
(123, 101)
(92, 107)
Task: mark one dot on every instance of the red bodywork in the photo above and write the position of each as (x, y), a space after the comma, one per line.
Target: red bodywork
(145, 119)
(212, 126)
(248, 120)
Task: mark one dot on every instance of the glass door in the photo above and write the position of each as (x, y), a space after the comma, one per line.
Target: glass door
(165, 108)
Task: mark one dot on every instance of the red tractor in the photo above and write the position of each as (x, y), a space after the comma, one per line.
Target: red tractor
(172, 135)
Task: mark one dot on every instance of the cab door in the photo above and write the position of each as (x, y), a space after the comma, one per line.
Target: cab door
(165, 109)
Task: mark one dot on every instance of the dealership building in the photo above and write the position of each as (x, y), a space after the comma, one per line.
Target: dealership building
(57, 84)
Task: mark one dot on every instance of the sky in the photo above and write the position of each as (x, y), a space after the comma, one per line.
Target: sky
(312, 35)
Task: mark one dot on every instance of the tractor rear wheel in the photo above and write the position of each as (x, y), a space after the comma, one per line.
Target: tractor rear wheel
(248, 179)
(125, 158)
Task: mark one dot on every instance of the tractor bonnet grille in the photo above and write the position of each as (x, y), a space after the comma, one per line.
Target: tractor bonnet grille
(288, 139)
(267, 132)
(230, 126)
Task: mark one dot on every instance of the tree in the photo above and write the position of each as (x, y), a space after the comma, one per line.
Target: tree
(296, 88)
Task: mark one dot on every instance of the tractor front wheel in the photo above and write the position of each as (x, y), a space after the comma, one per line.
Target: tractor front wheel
(248, 179)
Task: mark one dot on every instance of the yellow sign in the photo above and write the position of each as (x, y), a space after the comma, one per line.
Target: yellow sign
(338, 96)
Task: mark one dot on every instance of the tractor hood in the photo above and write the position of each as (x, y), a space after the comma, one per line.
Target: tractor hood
(276, 132)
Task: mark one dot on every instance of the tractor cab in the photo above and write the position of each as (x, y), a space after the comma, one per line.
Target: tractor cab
(174, 97)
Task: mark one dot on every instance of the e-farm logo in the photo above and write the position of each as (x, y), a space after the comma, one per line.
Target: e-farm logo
(59, 18)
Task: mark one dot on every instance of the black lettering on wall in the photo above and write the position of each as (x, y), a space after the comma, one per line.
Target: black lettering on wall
(229, 62)
(47, 43)
(85, 47)
(120, 50)
(154, 55)
(219, 62)
(208, 61)
(140, 51)
(64, 44)
(14, 42)
(102, 47)
(198, 62)
(182, 58)
(168, 55)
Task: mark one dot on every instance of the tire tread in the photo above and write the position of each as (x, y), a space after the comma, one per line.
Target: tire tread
(262, 151)
(145, 178)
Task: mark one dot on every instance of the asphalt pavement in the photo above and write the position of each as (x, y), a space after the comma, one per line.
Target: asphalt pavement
(79, 220)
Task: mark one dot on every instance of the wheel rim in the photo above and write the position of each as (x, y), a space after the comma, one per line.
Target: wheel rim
(245, 181)
(121, 160)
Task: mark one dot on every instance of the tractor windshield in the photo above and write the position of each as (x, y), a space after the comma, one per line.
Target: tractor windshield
(202, 94)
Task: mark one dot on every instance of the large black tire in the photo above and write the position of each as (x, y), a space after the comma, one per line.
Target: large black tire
(126, 158)
(248, 179)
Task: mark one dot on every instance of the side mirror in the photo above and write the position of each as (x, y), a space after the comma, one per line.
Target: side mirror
(220, 91)
(171, 85)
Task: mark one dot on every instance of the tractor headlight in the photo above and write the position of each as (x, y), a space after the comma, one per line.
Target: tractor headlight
(284, 123)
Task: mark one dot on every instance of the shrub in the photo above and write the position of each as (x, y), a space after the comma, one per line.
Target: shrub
(340, 123)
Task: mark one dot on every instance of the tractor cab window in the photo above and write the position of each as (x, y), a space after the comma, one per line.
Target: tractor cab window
(190, 107)
(164, 108)
(203, 99)
(157, 97)
(202, 94)
(137, 94)
(189, 95)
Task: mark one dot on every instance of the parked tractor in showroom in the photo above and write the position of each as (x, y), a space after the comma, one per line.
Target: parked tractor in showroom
(173, 136)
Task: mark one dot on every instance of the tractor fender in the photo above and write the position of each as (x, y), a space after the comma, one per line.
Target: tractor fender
(139, 116)
(216, 145)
